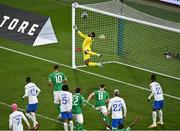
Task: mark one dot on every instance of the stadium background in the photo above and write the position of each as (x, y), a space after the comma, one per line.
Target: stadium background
(15, 67)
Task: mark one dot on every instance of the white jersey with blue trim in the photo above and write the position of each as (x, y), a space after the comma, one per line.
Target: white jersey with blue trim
(31, 91)
(15, 121)
(66, 101)
(118, 107)
(156, 91)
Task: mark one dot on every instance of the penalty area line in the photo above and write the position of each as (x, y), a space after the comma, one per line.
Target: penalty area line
(87, 72)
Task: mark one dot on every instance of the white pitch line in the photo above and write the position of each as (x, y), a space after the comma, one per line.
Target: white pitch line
(42, 116)
(87, 72)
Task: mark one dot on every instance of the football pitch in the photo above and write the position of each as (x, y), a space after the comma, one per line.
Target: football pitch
(17, 61)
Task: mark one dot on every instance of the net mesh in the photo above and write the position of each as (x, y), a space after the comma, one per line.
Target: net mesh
(130, 43)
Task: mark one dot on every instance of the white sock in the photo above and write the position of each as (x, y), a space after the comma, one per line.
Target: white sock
(160, 115)
(65, 126)
(34, 116)
(31, 118)
(154, 115)
(71, 125)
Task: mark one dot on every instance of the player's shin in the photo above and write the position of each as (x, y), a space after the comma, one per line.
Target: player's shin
(31, 118)
(65, 126)
(92, 64)
(71, 125)
(34, 117)
(160, 116)
(154, 115)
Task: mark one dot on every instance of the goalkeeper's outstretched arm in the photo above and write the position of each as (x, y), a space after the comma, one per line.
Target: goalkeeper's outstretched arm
(79, 32)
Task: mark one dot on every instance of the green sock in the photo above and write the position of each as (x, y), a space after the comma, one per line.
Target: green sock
(106, 119)
(80, 127)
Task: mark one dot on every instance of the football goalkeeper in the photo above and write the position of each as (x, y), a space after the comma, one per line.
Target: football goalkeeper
(86, 48)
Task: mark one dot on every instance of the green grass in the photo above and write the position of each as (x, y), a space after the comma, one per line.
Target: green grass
(15, 67)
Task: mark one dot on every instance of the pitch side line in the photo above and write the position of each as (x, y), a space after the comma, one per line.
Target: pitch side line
(42, 116)
(87, 72)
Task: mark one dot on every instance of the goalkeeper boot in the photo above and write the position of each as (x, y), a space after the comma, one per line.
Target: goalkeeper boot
(100, 64)
(99, 55)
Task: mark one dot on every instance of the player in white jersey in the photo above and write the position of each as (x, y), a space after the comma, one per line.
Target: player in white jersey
(158, 101)
(15, 119)
(31, 91)
(118, 109)
(66, 107)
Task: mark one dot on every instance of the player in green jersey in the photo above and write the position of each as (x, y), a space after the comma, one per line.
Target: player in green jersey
(55, 81)
(78, 100)
(102, 98)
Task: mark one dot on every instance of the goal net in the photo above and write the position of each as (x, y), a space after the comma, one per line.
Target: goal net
(127, 36)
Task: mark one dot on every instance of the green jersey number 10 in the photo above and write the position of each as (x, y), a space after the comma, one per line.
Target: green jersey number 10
(58, 79)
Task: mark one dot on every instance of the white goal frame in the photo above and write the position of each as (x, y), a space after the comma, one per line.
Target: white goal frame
(76, 5)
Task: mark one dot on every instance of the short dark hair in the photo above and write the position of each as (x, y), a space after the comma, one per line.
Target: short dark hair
(93, 34)
(78, 90)
(28, 79)
(65, 87)
(102, 85)
(56, 67)
(116, 92)
(153, 77)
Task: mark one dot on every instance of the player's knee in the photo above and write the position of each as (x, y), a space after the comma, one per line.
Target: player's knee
(86, 63)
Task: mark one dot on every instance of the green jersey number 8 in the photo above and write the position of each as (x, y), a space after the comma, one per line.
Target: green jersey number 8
(58, 79)
(100, 96)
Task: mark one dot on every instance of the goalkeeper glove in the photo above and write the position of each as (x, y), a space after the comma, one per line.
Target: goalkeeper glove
(75, 27)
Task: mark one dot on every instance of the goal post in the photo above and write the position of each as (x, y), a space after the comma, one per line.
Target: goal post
(128, 37)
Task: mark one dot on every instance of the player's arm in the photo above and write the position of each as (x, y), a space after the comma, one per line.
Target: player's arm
(124, 109)
(38, 91)
(79, 32)
(10, 123)
(50, 82)
(25, 120)
(152, 94)
(88, 103)
(71, 101)
(65, 79)
(90, 96)
(109, 107)
(25, 94)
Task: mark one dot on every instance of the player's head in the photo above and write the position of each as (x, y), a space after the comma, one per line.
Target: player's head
(78, 90)
(116, 92)
(56, 67)
(14, 107)
(28, 79)
(65, 87)
(153, 77)
(92, 34)
(102, 86)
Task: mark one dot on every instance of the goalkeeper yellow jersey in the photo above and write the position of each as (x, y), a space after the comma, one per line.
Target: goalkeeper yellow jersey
(87, 41)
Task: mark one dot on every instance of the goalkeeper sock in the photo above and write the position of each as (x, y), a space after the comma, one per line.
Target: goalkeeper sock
(92, 64)
(92, 53)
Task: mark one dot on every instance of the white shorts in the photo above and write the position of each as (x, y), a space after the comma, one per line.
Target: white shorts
(102, 109)
(78, 118)
(56, 97)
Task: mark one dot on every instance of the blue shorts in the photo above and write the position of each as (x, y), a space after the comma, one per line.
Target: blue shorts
(157, 105)
(117, 122)
(32, 107)
(66, 115)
